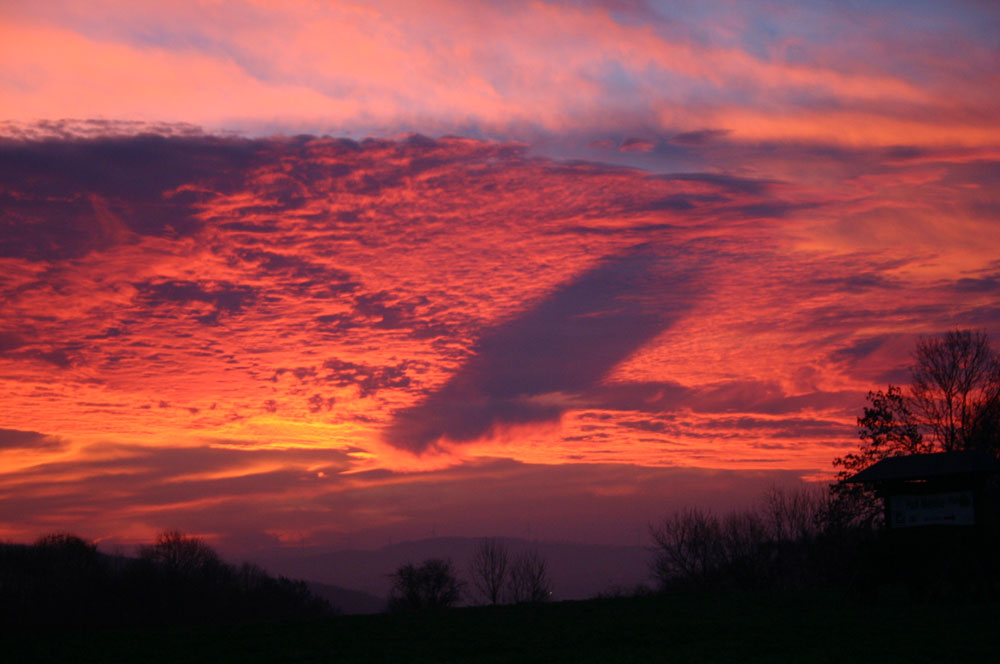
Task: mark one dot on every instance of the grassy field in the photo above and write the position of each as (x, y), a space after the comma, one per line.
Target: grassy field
(735, 627)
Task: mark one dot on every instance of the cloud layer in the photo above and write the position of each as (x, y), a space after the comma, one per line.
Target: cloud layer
(874, 75)
(661, 241)
(260, 314)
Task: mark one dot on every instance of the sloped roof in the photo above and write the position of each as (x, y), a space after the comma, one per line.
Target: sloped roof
(925, 466)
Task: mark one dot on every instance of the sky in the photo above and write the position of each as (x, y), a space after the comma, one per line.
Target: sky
(311, 273)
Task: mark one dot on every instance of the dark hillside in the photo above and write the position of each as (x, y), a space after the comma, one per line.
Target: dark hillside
(346, 600)
(807, 627)
(62, 583)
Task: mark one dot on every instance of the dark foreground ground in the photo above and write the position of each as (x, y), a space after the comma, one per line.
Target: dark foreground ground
(808, 628)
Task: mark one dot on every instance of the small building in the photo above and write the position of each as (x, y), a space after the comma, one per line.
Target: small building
(938, 489)
(941, 523)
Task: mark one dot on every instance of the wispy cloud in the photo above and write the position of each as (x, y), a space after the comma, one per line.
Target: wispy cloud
(872, 75)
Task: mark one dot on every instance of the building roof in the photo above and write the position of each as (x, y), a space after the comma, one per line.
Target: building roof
(926, 466)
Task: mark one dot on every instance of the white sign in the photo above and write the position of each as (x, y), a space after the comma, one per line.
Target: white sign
(933, 509)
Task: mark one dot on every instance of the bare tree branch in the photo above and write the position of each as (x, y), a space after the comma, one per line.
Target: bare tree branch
(529, 578)
(489, 569)
(956, 390)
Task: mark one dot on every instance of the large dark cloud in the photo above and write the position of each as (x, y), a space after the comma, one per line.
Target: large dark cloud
(565, 344)
(18, 439)
(59, 196)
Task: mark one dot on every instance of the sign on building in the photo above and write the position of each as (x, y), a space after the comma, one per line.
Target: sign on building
(932, 509)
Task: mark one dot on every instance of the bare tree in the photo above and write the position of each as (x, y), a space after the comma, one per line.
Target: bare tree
(529, 578)
(489, 569)
(698, 549)
(953, 403)
(687, 547)
(181, 555)
(793, 514)
(887, 427)
(776, 544)
(956, 390)
(430, 585)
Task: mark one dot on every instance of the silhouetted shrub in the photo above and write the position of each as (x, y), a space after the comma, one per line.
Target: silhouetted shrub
(430, 585)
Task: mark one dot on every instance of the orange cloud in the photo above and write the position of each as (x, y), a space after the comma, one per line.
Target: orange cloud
(318, 294)
(201, 328)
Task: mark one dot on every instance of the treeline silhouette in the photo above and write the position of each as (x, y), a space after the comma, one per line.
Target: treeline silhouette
(791, 540)
(797, 540)
(838, 537)
(63, 582)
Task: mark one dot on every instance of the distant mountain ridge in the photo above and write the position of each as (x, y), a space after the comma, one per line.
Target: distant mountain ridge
(346, 600)
(578, 571)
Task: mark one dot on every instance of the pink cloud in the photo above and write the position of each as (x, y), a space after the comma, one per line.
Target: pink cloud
(636, 145)
(387, 67)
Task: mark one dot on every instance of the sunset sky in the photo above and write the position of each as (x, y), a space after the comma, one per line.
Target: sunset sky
(328, 273)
